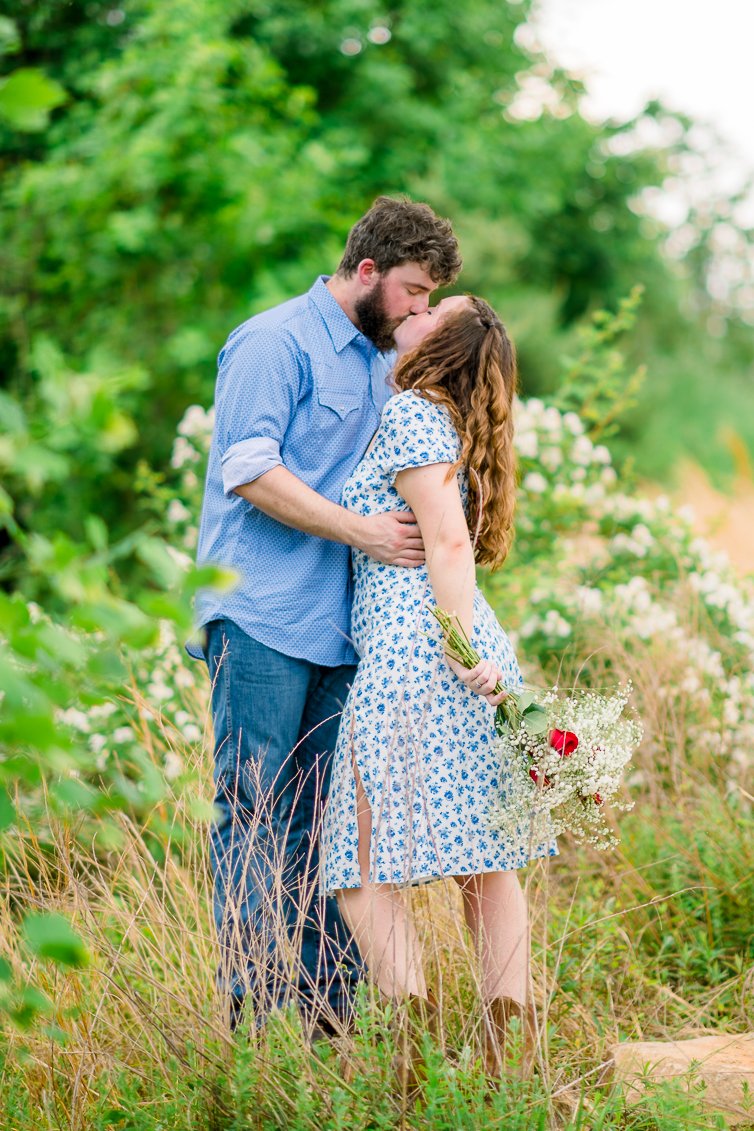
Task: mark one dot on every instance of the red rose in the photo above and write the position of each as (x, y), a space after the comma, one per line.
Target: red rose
(533, 774)
(564, 741)
(597, 798)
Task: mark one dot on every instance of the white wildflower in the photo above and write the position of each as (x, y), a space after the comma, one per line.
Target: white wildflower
(642, 535)
(183, 678)
(573, 423)
(535, 483)
(173, 766)
(183, 453)
(555, 625)
(196, 421)
(594, 493)
(102, 710)
(581, 450)
(551, 458)
(182, 560)
(75, 719)
(552, 421)
(177, 512)
(159, 691)
(526, 444)
(589, 600)
(36, 613)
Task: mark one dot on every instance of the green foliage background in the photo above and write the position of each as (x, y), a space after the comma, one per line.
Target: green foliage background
(167, 168)
(204, 159)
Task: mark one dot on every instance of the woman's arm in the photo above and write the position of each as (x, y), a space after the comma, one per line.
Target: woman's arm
(436, 502)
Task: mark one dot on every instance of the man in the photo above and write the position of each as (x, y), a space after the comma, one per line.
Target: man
(299, 393)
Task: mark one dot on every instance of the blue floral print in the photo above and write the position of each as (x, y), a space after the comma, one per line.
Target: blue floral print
(422, 742)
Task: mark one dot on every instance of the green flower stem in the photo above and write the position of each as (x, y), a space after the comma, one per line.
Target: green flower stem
(459, 648)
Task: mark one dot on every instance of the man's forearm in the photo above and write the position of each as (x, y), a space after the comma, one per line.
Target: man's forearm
(281, 495)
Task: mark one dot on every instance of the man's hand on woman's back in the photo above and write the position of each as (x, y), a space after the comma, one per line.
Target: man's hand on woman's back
(393, 537)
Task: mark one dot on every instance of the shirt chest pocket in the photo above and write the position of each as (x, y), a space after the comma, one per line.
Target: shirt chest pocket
(337, 399)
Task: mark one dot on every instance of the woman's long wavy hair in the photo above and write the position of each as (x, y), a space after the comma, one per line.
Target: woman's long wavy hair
(469, 365)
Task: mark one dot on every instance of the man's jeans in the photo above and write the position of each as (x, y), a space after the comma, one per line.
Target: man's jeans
(275, 721)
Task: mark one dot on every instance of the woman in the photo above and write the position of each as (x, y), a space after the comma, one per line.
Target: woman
(415, 769)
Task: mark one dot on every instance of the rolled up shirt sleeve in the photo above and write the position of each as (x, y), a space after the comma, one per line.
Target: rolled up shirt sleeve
(258, 388)
(246, 461)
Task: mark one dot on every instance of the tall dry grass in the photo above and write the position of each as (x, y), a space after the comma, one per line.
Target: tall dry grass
(653, 940)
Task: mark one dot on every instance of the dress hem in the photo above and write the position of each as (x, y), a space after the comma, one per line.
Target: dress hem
(431, 877)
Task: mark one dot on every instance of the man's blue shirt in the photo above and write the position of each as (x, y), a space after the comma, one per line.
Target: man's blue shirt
(297, 385)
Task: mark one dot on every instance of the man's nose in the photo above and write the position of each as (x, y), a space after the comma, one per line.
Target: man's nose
(420, 304)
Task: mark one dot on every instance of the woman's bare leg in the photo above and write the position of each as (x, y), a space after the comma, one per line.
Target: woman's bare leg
(377, 917)
(495, 910)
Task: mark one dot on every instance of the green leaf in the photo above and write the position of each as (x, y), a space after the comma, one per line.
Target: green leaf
(120, 620)
(32, 1003)
(96, 531)
(27, 97)
(535, 723)
(165, 570)
(7, 811)
(50, 935)
(19, 690)
(165, 606)
(10, 40)
(75, 794)
(31, 728)
(55, 1033)
(524, 699)
(210, 577)
(535, 709)
(6, 508)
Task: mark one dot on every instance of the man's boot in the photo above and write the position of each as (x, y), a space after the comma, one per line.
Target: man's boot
(420, 1015)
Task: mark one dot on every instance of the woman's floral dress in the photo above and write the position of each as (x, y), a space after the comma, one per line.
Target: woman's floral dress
(423, 743)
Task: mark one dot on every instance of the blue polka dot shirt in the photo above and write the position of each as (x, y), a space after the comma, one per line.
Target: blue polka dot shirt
(297, 385)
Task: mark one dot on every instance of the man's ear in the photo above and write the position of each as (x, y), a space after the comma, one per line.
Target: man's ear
(367, 273)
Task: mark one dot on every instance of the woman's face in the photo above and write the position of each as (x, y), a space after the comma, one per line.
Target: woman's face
(416, 327)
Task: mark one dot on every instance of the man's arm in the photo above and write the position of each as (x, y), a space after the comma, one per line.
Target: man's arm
(251, 422)
(392, 537)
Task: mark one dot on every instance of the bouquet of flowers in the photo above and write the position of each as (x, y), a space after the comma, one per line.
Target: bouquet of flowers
(563, 755)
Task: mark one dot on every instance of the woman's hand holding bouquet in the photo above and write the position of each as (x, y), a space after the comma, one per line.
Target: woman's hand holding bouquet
(564, 754)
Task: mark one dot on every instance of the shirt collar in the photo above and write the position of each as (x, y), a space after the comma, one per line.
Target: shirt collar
(339, 326)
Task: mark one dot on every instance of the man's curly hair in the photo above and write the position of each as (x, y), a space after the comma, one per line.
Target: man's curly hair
(393, 232)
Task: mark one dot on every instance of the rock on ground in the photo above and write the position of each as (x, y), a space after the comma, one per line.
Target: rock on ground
(724, 1062)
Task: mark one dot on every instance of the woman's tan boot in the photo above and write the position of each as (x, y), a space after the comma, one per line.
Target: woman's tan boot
(497, 1036)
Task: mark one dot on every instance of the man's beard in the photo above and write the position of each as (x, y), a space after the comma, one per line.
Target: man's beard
(373, 320)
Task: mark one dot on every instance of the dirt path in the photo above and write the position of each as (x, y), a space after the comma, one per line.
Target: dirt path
(727, 521)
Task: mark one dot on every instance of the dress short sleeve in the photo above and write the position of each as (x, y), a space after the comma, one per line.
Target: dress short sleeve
(415, 432)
